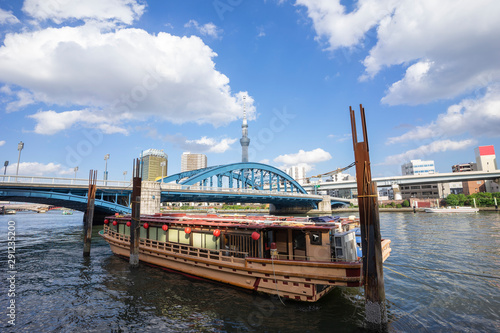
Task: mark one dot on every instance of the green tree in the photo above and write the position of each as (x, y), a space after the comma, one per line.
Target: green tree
(406, 203)
(461, 199)
(452, 200)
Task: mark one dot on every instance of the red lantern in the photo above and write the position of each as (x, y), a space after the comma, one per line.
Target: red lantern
(164, 227)
(216, 232)
(106, 221)
(115, 223)
(187, 230)
(129, 224)
(146, 225)
(255, 235)
(116, 214)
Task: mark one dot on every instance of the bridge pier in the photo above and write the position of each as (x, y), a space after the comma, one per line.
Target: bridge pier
(324, 208)
(150, 197)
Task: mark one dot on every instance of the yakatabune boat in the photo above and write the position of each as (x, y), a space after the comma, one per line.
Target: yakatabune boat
(296, 258)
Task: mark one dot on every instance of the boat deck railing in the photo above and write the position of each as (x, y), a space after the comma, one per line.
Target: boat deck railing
(224, 255)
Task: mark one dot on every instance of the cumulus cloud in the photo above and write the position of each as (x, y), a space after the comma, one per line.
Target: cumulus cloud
(447, 52)
(167, 77)
(211, 145)
(120, 11)
(304, 158)
(477, 117)
(40, 169)
(51, 122)
(6, 17)
(2, 142)
(208, 29)
(434, 147)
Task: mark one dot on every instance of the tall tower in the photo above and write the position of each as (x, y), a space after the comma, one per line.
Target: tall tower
(245, 141)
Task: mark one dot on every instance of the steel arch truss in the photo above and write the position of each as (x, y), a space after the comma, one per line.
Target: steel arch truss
(246, 175)
(68, 200)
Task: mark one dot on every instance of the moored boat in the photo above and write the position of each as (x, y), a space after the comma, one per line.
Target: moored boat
(295, 258)
(454, 209)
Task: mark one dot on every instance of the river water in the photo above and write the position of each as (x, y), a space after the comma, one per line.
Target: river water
(57, 290)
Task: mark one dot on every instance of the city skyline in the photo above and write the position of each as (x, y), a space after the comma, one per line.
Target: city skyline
(79, 81)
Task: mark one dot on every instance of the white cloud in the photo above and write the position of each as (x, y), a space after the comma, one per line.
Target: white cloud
(51, 122)
(304, 158)
(2, 142)
(449, 47)
(434, 147)
(208, 29)
(167, 77)
(7, 17)
(124, 11)
(206, 144)
(341, 29)
(477, 117)
(39, 169)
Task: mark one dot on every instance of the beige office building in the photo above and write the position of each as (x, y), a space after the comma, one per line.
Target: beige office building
(154, 164)
(193, 161)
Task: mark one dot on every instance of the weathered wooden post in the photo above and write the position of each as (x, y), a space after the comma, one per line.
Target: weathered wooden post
(89, 214)
(136, 214)
(375, 309)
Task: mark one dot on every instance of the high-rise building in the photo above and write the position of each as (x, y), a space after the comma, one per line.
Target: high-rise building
(244, 141)
(152, 164)
(485, 158)
(298, 173)
(193, 161)
(487, 161)
(418, 167)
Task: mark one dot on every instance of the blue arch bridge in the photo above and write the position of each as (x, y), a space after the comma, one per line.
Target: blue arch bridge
(232, 183)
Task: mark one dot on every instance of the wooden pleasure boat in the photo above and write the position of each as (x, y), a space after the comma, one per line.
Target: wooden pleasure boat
(298, 258)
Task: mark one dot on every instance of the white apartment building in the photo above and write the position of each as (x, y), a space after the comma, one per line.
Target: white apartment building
(298, 173)
(193, 161)
(418, 167)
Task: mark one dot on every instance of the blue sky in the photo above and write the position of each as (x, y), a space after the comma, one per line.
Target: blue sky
(81, 79)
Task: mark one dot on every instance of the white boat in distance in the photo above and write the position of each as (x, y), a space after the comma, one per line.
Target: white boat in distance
(455, 209)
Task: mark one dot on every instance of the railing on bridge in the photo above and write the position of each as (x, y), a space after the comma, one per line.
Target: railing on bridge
(60, 181)
(128, 185)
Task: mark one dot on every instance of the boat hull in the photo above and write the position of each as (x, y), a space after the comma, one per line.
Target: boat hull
(297, 280)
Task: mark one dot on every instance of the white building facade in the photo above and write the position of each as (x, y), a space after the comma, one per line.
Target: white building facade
(193, 161)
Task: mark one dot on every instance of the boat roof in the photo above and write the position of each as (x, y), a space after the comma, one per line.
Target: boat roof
(243, 221)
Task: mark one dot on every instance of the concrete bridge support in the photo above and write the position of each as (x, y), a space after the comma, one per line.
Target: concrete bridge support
(150, 197)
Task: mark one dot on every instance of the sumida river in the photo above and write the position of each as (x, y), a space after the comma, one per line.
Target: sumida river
(57, 290)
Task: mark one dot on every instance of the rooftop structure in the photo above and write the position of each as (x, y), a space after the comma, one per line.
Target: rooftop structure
(418, 167)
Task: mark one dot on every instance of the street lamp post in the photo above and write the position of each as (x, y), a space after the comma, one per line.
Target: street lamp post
(6, 163)
(20, 147)
(162, 164)
(106, 157)
(75, 169)
(124, 175)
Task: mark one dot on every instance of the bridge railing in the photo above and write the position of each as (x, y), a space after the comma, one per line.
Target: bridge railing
(60, 181)
(196, 188)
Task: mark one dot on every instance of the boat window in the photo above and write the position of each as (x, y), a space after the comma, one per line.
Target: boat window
(315, 238)
(178, 236)
(162, 235)
(205, 241)
(121, 228)
(153, 231)
(173, 235)
(127, 231)
(184, 238)
(143, 233)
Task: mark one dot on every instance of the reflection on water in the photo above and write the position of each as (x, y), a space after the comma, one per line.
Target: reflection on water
(59, 290)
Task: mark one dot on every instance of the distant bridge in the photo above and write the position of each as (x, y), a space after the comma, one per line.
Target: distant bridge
(409, 180)
(238, 182)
